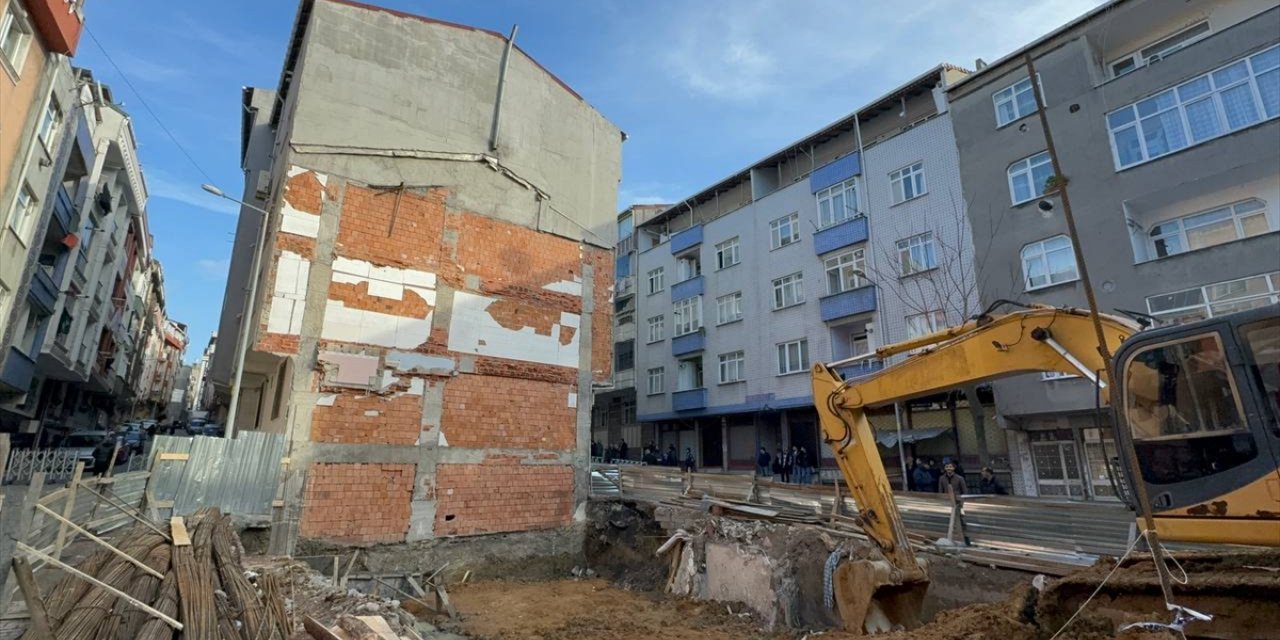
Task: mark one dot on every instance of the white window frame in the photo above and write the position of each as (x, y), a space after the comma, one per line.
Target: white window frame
(656, 380)
(1026, 168)
(657, 326)
(50, 125)
(1049, 376)
(787, 364)
(729, 308)
(690, 374)
(1157, 50)
(794, 283)
(912, 174)
(848, 195)
(839, 276)
(688, 266)
(732, 367)
(931, 321)
(1009, 95)
(1212, 303)
(1194, 92)
(1178, 227)
(788, 224)
(1037, 251)
(727, 253)
(15, 20)
(686, 316)
(657, 280)
(917, 254)
(22, 216)
(854, 340)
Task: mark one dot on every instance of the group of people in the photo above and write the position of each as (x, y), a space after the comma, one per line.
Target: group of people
(650, 455)
(796, 465)
(925, 475)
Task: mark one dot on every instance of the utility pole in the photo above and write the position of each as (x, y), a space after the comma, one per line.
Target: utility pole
(1131, 454)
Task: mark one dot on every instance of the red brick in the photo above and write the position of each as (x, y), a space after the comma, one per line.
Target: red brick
(474, 499)
(399, 420)
(358, 503)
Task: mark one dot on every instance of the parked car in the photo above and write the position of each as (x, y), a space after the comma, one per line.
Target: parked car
(94, 449)
(135, 437)
(196, 426)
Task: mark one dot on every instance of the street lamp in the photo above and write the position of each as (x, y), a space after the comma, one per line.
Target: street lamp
(242, 345)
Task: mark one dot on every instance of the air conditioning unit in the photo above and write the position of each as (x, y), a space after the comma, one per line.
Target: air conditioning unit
(263, 189)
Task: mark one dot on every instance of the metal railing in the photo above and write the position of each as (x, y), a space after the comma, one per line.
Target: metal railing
(58, 465)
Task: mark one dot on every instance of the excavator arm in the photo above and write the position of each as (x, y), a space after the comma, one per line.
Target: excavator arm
(887, 593)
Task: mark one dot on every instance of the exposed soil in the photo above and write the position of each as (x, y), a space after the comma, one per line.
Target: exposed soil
(572, 609)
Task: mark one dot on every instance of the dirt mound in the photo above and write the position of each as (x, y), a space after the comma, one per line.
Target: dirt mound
(620, 543)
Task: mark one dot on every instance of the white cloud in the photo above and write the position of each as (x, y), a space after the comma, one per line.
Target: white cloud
(162, 185)
(213, 269)
(144, 70)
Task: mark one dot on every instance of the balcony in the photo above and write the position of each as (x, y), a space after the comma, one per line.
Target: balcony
(43, 292)
(848, 303)
(689, 400)
(64, 210)
(687, 239)
(688, 343)
(686, 289)
(860, 368)
(59, 24)
(17, 372)
(849, 232)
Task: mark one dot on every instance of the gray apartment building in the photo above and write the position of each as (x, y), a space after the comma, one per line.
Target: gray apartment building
(852, 237)
(1164, 116)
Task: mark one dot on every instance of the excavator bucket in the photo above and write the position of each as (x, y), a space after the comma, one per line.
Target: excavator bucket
(872, 597)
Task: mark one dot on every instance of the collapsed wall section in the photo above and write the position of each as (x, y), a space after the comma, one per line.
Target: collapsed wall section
(446, 354)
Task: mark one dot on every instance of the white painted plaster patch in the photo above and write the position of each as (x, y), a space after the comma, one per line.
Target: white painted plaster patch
(571, 287)
(347, 324)
(371, 414)
(473, 330)
(573, 400)
(290, 294)
(443, 442)
(326, 400)
(417, 387)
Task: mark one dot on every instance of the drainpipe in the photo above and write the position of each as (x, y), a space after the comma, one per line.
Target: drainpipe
(502, 84)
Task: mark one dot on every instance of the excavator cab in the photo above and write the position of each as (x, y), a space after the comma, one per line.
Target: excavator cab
(1200, 403)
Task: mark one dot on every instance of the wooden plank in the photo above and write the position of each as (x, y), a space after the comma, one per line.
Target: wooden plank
(40, 628)
(129, 511)
(443, 604)
(4, 456)
(8, 543)
(319, 631)
(130, 559)
(179, 528)
(100, 584)
(176, 457)
(67, 508)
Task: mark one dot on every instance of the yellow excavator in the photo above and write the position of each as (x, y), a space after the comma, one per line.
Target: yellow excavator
(1198, 403)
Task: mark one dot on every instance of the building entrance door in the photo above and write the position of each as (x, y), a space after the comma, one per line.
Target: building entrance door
(1057, 465)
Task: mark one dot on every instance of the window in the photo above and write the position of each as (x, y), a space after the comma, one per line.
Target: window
(626, 227)
(656, 382)
(907, 183)
(837, 203)
(1238, 95)
(23, 216)
(50, 124)
(731, 367)
(784, 230)
(916, 254)
(1047, 376)
(788, 290)
(657, 329)
(688, 266)
(1028, 176)
(1243, 219)
(1014, 102)
(1199, 303)
(624, 355)
(793, 357)
(687, 316)
(1048, 262)
(656, 281)
(859, 345)
(689, 374)
(727, 253)
(15, 35)
(923, 324)
(729, 308)
(1180, 402)
(1158, 50)
(1263, 341)
(845, 271)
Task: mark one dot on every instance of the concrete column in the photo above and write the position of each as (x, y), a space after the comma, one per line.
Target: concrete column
(724, 443)
(785, 426)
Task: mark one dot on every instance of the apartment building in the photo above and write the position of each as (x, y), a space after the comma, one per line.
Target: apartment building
(1164, 116)
(853, 237)
(433, 304)
(613, 414)
(200, 389)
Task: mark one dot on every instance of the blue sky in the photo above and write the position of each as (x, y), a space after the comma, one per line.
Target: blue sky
(702, 88)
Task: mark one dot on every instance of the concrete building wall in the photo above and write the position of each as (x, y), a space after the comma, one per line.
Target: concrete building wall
(441, 308)
(21, 105)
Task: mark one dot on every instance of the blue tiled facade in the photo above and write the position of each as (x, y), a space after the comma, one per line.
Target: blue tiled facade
(848, 303)
(43, 291)
(689, 400)
(687, 239)
(860, 368)
(688, 343)
(834, 172)
(849, 232)
(686, 289)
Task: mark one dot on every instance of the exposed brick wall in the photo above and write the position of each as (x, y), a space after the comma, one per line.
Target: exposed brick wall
(488, 412)
(357, 296)
(278, 343)
(602, 318)
(375, 229)
(504, 368)
(303, 192)
(301, 245)
(368, 419)
(512, 260)
(490, 498)
(357, 503)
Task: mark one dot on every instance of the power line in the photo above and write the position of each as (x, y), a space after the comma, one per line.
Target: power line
(151, 111)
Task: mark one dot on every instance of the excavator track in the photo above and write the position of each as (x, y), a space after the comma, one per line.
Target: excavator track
(1240, 589)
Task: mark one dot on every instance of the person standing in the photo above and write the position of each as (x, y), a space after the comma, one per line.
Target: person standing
(803, 462)
(953, 484)
(777, 463)
(690, 464)
(622, 450)
(792, 464)
(762, 463)
(921, 479)
(988, 483)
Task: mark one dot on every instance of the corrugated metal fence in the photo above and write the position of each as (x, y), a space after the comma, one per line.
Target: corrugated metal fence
(238, 476)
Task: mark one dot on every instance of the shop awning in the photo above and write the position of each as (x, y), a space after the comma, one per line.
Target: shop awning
(890, 438)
